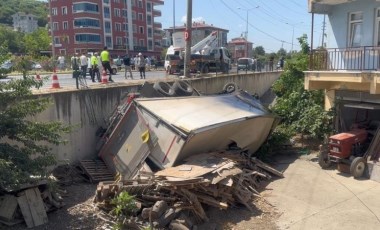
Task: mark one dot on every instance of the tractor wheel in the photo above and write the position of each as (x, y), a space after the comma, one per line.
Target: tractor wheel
(358, 167)
(323, 159)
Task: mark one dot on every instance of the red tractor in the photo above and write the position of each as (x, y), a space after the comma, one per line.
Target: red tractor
(349, 148)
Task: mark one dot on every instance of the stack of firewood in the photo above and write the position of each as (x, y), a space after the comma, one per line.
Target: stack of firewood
(218, 179)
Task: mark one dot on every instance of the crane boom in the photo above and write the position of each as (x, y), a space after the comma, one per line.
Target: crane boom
(208, 43)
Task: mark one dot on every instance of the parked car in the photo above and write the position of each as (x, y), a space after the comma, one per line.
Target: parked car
(36, 65)
(6, 65)
(246, 64)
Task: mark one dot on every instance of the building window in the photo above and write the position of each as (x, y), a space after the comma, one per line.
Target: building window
(117, 27)
(116, 11)
(141, 42)
(107, 27)
(85, 7)
(134, 28)
(355, 33)
(54, 11)
(141, 30)
(141, 17)
(149, 7)
(125, 27)
(377, 28)
(140, 4)
(108, 41)
(64, 10)
(55, 26)
(86, 22)
(57, 40)
(150, 32)
(133, 15)
(125, 13)
(150, 45)
(106, 1)
(65, 25)
(87, 38)
(149, 20)
(133, 3)
(107, 12)
(119, 41)
(134, 41)
(116, 1)
(126, 41)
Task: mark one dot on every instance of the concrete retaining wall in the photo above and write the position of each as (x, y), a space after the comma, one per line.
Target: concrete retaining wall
(87, 110)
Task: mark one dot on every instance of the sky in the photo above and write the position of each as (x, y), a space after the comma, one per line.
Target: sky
(270, 22)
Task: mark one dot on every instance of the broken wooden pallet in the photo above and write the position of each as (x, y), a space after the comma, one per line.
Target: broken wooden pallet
(96, 170)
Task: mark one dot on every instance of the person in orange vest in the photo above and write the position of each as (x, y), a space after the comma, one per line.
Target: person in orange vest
(105, 57)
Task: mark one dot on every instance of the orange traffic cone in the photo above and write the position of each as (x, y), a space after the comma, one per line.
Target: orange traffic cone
(104, 77)
(55, 82)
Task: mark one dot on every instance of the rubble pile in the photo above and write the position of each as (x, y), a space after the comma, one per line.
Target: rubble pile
(219, 179)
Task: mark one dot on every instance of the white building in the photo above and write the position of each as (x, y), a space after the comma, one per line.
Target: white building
(26, 23)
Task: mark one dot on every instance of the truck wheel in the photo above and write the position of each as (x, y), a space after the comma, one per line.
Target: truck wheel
(205, 69)
(182, 88)
(358, 165)
(323, 159)
(164, 89)
(230, 87)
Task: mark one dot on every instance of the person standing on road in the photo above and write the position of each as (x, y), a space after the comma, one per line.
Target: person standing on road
(127, 66)
(83, 65)
(94, 67)
(105, 57)
(61, 62)
(75, 65)
(140, 63)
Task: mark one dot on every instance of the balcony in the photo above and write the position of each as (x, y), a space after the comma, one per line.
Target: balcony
(157, 25)
(355, 69)
(324, 6)
(157, 13)
(365, 58)
(158, 2)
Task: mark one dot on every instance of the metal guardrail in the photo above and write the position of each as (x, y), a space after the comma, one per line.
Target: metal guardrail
(334, 59)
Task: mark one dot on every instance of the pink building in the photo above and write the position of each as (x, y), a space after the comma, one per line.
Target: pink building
(122, 25)
(239, 48)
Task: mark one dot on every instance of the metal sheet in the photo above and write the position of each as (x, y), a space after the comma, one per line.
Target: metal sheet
(195, 113)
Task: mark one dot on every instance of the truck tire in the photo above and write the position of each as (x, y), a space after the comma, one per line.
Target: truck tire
(230, 87)
(163, 89)
(182, 88)
(358, 166)
(323, 159)
(205, 69)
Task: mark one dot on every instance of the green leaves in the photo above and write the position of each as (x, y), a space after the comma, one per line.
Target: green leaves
(25, 144)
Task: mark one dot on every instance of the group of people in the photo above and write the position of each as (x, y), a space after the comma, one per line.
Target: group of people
(96, 63)
(80, 64)
(139, 61)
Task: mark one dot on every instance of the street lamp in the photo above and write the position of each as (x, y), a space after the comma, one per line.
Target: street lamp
(246, 28)
(293, 32)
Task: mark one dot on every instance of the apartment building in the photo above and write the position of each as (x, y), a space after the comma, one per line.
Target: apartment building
(240, 48)
(26, 23)
(79, 26)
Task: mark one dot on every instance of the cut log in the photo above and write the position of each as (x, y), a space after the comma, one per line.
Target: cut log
(165, 219)
(158, 209)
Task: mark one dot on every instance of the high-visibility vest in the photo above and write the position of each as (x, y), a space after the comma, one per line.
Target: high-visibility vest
(105, 55)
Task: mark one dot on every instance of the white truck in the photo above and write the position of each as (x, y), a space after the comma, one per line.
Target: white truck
(205, 57)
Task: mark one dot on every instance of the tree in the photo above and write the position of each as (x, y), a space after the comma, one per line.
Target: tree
(37, 41)
(301, 111)
(25, 144)
(281, 52)
(259, 51)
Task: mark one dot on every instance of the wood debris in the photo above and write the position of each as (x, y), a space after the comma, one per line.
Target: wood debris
(29, 204)
(217, 179)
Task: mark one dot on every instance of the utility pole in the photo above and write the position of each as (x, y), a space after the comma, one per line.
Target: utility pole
(126, 27)
(246, 37)
(173, 22)
(323, 30)
(188, 37)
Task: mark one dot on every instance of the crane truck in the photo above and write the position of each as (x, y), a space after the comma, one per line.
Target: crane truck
(205, 57)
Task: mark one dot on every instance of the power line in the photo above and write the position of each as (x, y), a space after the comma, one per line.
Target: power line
(263, 32)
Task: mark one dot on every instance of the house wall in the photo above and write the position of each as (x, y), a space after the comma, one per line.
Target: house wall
(337, 26)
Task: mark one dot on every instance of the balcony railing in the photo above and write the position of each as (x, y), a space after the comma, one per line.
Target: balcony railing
(351, 59)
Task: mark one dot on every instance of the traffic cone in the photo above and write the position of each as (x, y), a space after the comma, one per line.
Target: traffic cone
(104, 77)
(55, 82)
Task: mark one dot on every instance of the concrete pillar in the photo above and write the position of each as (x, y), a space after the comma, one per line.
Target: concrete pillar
(329, 99)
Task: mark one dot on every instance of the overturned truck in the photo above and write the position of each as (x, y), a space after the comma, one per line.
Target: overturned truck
(159, 132)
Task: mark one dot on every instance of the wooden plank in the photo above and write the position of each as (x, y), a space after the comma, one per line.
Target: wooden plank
(8, 207)
(25, 210)
(32, 207)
